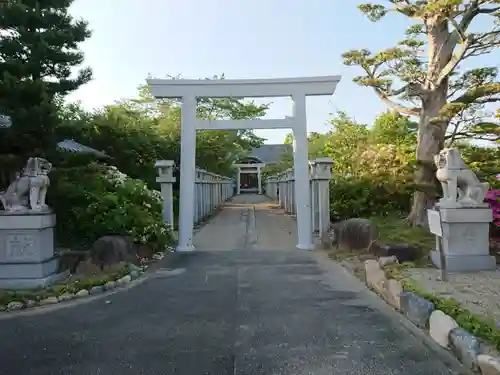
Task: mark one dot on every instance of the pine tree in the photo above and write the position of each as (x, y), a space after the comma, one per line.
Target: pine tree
(38, 52)
(424, 70)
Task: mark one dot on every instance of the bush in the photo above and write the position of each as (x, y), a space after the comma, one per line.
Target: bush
(96, 200)
(364, 197)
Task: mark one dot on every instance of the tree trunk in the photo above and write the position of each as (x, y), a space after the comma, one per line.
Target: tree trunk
(432, 127)
(430, 141)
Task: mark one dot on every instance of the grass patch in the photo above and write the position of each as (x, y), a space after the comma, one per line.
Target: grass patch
(69, 286)
(396, 230)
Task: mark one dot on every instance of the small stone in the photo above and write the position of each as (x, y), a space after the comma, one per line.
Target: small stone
(489, 365)
(110, 285)
(135, 274)
(403, 252)
(392, 292)
(125, 279)
(82, 293)
(158, 256)
(417, 309)
(133, 267)
(49, 301)
(15, 305)
(385, 261)
(30, 303)
(375, 276)
(96, 289)
(66, 297)
(440, 326)
(466, 347)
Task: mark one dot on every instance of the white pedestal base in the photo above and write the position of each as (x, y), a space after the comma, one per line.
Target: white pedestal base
(184, 249)
(27, 257)
(465, 262)
(465, 239)
(33, 283)
(305, 246)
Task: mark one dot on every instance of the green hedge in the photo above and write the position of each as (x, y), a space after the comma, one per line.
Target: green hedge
(96, 200)
(363, 197)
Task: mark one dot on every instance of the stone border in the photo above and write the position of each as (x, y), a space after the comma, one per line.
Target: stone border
(442, 328)
(134, 273)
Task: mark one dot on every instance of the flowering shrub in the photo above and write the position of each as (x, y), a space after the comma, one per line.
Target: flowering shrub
(493, 198)
(96, 200)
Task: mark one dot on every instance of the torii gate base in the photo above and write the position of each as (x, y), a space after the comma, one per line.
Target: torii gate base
(189, 90)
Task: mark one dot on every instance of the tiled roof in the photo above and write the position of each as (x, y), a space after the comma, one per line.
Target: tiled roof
(270, 153)
(70, 145)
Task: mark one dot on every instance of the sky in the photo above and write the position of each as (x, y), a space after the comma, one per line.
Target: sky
(242, 39)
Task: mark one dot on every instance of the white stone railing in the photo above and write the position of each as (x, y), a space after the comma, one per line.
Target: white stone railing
(211, 191)
(281, 188)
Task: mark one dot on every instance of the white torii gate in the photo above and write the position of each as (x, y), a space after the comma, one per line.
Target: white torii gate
(188, 90)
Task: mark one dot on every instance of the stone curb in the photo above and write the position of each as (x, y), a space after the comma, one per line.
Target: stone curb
(134, 274)
(442, 328)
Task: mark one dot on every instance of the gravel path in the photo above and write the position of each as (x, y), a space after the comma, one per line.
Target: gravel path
(478, 292)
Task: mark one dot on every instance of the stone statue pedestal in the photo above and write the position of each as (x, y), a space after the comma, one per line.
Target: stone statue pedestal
(465, 239)
(27, 259)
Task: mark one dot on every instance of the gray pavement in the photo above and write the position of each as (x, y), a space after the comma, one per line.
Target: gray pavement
(246, 310)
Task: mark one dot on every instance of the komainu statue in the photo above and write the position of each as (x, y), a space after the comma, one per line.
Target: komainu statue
(29, 190)
(461, 187)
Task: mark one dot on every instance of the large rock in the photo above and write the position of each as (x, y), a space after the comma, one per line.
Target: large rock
(392, 293)
(440, 326)
(375, 276)
(417, 309)
(145, 252)
(403, 252)
(70, 259)
(88, 268)
(113, 249)
(489, 365)
(466, 347)
(352, 234)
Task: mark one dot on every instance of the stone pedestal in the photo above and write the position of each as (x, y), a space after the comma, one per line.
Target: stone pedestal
(465, 236)
(27, 259)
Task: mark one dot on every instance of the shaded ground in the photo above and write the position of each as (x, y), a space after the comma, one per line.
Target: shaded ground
(249, 311)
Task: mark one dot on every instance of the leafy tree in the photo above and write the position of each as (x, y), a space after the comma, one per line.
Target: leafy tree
(346, 137)
(137, 132)
(38, 50)
(317, 143)
(288, 139)
(393, 128)
(425, 68)
(473, 123)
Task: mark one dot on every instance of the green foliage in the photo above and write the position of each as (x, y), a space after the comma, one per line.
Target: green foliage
(140, 131)
(344, 141)
(365, 197)
(393, 229)
(93, 200)
(484, 161)
(392, 128)
(38, 51)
